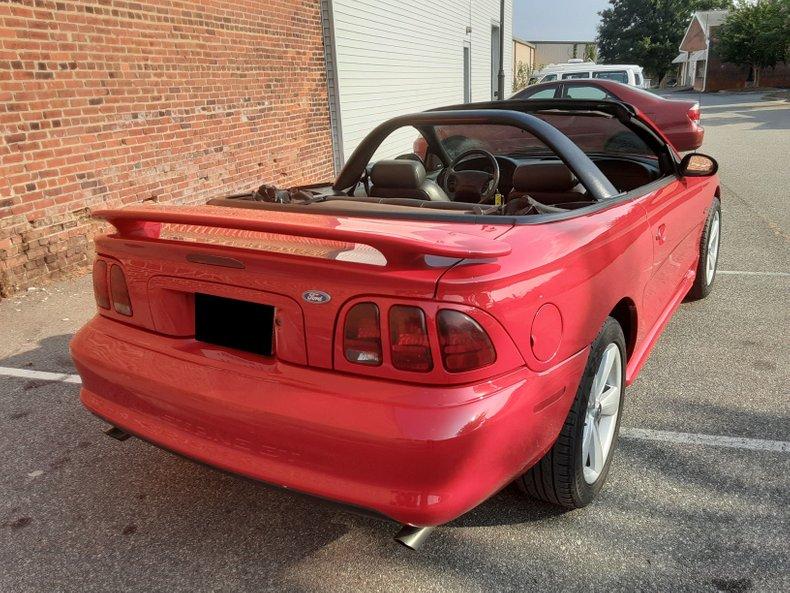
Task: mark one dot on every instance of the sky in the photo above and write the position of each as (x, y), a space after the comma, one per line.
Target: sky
(556, 20)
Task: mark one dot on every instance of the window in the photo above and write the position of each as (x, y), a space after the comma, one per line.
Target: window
(616, 75)
(572, 75)
(467, 75)
(638, 78)
(585, 92)
(541, 94)
(549, 78)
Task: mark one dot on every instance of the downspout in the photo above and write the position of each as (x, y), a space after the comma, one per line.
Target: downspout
(501, 74)
(333, 84)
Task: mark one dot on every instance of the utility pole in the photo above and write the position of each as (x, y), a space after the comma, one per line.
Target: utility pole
(501, 75)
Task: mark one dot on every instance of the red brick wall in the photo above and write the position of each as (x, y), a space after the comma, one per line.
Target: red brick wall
(727, 76)
(112, 102)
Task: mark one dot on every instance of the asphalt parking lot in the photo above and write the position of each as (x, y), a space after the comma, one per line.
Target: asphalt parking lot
(696, 500)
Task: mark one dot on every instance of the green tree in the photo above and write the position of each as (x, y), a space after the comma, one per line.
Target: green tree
(590, 53)
(523, 74)
(647, 32)
(756, 35)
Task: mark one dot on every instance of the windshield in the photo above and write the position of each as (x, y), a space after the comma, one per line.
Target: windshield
(593, 133)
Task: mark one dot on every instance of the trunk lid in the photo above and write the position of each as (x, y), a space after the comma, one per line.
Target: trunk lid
(304, 265)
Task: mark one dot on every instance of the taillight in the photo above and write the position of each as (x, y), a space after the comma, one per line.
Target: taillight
(119, 291)
(464, 344)
(694, 113)
(100, 289)
(409, 344)
(362, 335)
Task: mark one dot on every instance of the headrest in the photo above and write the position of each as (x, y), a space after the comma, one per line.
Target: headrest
(400, 174)
(543, 177)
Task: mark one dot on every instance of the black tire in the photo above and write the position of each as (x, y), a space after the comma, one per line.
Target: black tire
(558, 478)
(701, 287)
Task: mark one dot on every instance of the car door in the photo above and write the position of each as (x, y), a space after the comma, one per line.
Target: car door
(675, 213)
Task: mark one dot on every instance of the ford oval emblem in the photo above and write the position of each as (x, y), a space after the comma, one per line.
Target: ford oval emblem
(318, 297)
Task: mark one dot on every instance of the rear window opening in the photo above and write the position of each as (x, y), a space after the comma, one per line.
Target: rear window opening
(232, 323)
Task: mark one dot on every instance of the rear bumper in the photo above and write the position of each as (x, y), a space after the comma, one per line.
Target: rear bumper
(419, 455)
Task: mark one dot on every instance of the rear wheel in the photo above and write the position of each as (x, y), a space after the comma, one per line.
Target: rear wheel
(575, 469)
(708, 254)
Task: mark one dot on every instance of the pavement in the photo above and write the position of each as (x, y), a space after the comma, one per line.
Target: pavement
(696, 499)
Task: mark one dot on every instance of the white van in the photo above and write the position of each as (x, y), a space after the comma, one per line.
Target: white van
(626, 73)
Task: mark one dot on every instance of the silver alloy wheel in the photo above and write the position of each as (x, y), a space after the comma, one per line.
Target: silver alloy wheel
(713, 248)
(603, 406)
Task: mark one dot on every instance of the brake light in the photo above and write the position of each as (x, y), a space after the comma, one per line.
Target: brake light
(409, 344)
(362, 335)
(119, 291)
(464, 344)
(694, 113)
(100, 289)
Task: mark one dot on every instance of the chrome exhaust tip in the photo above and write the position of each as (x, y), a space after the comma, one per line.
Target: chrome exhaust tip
(117, 433)
(413, 537)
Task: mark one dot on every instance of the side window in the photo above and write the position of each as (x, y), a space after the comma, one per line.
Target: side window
(616, 75)
(638, 78)
(572, 75)
(541, 94)
(549, 78)
(585, 92)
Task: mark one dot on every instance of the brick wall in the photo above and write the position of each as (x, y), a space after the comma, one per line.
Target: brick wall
(112, 102)
(727, 76)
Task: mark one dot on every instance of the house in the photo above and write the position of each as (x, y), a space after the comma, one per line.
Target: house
(559, 52)
(523, 56)
(388, 58)
(700, 65)
(106, 105)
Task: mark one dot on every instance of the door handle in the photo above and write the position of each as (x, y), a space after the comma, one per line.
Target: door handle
(661, 234)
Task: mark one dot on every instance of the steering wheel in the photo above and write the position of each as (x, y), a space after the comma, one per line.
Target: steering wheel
(471, 186)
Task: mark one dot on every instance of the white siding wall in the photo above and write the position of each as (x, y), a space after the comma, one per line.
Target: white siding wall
(396, 57)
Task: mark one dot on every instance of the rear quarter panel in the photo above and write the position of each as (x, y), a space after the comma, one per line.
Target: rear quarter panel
(584, 266)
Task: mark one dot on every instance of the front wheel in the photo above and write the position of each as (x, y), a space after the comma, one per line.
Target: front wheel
(708, 254)
(575, 469)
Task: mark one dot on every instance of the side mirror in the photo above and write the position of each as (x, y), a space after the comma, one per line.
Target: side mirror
(698, 165)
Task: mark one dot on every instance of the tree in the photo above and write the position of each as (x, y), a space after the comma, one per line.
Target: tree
(523, 74)
(647, 32)
(756, 35)
(590, 53)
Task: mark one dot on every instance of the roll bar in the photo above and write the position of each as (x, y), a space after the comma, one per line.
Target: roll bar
(594, 181)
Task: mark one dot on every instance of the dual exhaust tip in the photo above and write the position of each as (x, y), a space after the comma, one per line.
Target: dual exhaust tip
(409, 536)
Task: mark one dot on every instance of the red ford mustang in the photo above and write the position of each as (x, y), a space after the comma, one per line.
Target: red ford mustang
(409, 341)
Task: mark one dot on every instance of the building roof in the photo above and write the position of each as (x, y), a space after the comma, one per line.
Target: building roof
(563, 42)
(698, 31)
(524, 42)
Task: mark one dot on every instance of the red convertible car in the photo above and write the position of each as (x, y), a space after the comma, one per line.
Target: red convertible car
(404, 341)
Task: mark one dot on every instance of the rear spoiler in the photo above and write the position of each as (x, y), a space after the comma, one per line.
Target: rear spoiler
(401, 242)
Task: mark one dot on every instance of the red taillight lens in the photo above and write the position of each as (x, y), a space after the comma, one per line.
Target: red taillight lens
(464, 344)
(100, 288)
(362, 335)
(411, 349)
(119, 291)
(694, 113)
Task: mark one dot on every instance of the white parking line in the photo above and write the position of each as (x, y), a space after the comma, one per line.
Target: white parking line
(43, 375)
(711, 440)
(745, 273)
(641, 434)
